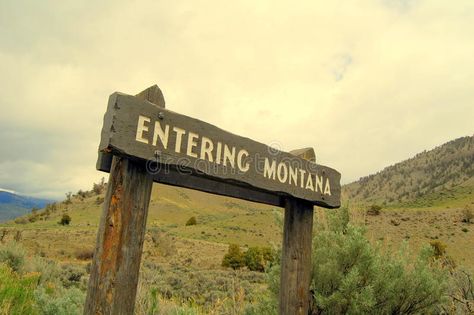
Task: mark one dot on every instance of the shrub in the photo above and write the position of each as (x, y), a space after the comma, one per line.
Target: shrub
(82, 194)
(465, 230)
(21, 220)
(191, 221)
(374, 210)
(467, 215)
(164, 243)
(85, 254)
(439, 249)
(99, 200)
(351, 276)
(257, 258)
(3, 234)
(234, 257)
(65, 219)
(13, 255)
(98, 188)
(56, 300)
(18, 235)
(68, 198)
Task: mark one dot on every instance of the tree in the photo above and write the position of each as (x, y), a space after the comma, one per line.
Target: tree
(234, 257)
(68, 198)
(257, 258)
(65, 219)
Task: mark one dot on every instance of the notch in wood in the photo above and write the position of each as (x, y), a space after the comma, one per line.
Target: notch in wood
(153, 95)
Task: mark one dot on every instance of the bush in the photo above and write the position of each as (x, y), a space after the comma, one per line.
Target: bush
(257, 258)
(374, 210)
(99, 200)
(65, 219)
(234, 257)
(99, 187)
(350, 276)
(82, 194)
(191, 221)
(13, 255)
(85, 254)
(56, 300)
(467, 215)
(439, 249)
(21, 220)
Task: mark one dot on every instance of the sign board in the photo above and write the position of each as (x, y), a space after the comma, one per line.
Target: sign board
(187, 152)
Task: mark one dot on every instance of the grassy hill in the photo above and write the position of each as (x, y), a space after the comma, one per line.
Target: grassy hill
(441, 177)
(423, 200)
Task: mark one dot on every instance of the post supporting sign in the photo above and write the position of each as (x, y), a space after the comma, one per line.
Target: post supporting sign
(142, 142)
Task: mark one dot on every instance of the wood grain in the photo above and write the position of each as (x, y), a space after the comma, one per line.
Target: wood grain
(295, 274)
(115, 267)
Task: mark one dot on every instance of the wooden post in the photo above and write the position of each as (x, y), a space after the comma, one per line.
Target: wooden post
(296, 257)
(116, 264)
(295, 276)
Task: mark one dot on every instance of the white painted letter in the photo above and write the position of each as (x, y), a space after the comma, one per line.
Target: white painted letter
(164, 135)
(192, 144)
(302, 172)
(282, 166)
(141, 128)
(229, 156)
(319, 184)
(327, 188)
(218, 153)
(206, 148)
(243, 168)
(269, 170)
(309, 182)
(293, 176)
(179, 135)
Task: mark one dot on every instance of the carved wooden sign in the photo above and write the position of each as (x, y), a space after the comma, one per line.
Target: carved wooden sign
(187, 152)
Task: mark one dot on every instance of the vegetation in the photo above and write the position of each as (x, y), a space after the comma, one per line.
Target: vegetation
(65, 219)
(467, 215)
(234, 257)
(374, 210)
(258, 258)
(191, 221)
(16, 291)
(38, 286)
(182, 271)
(422, 181)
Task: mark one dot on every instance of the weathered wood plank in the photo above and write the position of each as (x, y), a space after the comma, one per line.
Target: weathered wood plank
(140, 130)
(295, 274)
(115, 267)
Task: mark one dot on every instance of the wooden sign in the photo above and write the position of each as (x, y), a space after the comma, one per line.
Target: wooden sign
(142, 142)
(181, 150)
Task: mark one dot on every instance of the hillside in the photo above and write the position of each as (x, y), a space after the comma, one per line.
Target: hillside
(439, 177)
(13, 205)
(435, 188)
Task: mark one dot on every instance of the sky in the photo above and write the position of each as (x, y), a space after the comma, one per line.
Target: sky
(366, 83)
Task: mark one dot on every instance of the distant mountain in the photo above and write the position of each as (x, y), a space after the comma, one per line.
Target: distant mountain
(13, 205)
(428, 179)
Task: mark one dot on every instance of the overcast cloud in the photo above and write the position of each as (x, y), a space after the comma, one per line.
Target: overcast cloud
(366, 83)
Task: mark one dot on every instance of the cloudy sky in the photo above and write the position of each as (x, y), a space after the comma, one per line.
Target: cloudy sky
(366, 83)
